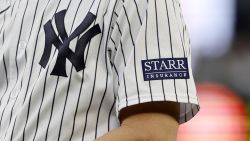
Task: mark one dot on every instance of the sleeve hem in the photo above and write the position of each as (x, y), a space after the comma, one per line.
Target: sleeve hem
(189, 106)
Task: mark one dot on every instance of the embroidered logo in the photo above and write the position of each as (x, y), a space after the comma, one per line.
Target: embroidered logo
(62, 42)
(166, 68)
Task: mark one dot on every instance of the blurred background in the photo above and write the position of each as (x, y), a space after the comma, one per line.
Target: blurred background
(220, 37)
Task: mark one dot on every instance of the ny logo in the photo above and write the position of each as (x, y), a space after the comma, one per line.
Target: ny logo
(62, 42)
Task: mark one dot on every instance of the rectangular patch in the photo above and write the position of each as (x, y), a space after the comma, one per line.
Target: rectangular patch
(165, 68)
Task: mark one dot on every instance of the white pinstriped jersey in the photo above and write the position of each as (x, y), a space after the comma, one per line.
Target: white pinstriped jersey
(67, 67)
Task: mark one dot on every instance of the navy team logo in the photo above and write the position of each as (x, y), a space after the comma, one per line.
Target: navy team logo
(62, 42)
(166, 68)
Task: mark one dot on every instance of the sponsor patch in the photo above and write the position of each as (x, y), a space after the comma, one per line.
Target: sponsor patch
(165, 68)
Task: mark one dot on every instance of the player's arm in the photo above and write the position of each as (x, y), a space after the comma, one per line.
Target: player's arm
(146, 122)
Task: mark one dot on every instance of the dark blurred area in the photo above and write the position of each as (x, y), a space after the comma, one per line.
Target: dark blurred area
(243, 17)
(220, 36)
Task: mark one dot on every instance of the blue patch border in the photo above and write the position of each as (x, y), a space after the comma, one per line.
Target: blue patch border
(166, 74)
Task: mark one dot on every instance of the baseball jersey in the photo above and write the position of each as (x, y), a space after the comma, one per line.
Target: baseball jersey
(67, 67)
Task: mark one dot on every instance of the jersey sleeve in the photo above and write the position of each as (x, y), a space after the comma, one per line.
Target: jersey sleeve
(152, 56)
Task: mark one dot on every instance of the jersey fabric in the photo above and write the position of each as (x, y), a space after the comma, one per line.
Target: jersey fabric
(67, 67)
